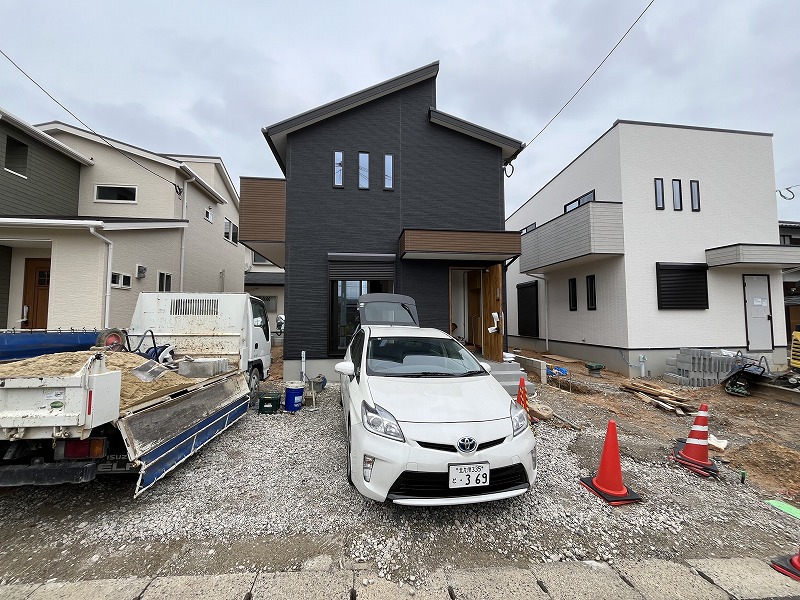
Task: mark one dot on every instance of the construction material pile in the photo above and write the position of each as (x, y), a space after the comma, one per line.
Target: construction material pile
(660, 397)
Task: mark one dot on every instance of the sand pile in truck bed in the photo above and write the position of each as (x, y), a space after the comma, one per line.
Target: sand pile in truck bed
(133, 391)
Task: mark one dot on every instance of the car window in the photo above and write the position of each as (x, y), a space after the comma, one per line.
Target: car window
(357, 352)
(420, 356)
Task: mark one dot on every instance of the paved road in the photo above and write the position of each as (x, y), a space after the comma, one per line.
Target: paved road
(711, 579)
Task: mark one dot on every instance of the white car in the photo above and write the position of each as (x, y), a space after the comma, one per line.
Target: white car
(426, 423)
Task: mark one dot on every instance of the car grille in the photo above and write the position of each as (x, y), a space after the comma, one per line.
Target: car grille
(452, 448)
(419, 484)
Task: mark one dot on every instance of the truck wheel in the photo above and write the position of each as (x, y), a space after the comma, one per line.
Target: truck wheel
(253, 379)
(113, 339)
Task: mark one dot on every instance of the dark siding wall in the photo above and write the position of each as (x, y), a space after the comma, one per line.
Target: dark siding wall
(51, 187)
(443, 179)
(5, 283)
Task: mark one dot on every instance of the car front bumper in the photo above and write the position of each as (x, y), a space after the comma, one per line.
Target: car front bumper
(407, 473)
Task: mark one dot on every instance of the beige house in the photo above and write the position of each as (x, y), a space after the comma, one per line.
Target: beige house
(127, 220)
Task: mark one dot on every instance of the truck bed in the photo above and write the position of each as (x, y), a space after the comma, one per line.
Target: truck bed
(133, 392)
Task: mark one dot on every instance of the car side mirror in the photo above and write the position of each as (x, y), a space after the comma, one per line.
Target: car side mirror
(486, 366)
(345, 368)
(280, 320)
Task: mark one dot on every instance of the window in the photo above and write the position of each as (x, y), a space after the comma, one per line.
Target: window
(357, 353)
(120, 280)
(115, 193)
(260, 260)
(528, 309)
(525, 230)
(338, 168)
(677, 199)
(16, 157)
(388, 172)
(164, 282)
(587, 197)
(344, 308)
(591, 293)
(659, 183)
(786, 240)
(271, 302)
(694, 188)
(209, 215)
(363, 171)
(682, 285)
(231, 231)
(573, 294)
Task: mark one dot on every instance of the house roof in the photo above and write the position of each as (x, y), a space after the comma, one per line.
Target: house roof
(276, 135)
(264, 278)
(174, 162)
(44, 138)
(105, 223)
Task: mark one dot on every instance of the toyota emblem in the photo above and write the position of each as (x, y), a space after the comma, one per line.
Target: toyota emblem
(467, 445)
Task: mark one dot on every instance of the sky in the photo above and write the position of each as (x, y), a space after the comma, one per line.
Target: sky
(204, 77)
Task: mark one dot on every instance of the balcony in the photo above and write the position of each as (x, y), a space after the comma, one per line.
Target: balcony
(590, 232)
(262, 217)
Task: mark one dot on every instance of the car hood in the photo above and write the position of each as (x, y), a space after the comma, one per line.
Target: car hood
(441, 400)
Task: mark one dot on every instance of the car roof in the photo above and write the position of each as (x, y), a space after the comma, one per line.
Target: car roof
(404, 331)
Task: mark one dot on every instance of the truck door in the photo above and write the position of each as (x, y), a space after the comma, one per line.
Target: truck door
(260, 344)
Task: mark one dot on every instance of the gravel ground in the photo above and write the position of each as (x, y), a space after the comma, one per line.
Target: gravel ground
(275, 484)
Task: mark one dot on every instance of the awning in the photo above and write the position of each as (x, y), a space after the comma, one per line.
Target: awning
(775, 256)
(437, 244)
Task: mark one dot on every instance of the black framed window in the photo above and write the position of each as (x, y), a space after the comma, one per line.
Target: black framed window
(164, 282)
(343, 321)
(677, 197)
(525, 230)
(388, 171)
(528, 309)
(694, 188)
(682, 285)
(585, 199)
(659, 186)
(338, 168)
(573, 294)
(363, 170)
(591, 293)
(16, 157)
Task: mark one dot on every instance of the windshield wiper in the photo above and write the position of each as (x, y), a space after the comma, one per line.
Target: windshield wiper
(470, 373)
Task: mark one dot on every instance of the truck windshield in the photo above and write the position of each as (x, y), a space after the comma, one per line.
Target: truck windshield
(420, 357)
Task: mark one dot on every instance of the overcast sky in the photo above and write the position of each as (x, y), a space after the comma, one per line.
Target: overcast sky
(204, 77)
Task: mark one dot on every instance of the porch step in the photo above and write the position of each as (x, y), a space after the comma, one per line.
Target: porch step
(508, 375)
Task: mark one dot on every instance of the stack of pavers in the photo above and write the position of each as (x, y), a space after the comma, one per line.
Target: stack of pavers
(694, 367)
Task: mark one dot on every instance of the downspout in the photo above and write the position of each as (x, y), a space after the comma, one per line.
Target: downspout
(183, 230)
(110, 245)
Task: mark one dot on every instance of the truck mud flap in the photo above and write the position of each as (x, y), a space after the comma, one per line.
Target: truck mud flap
(161, 437)
(47, 473)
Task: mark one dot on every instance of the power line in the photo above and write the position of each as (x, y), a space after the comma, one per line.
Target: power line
(592, 75)
(178, 189)
(788, 189)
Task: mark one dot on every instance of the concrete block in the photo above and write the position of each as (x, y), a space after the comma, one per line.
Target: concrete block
(672, 378)
(664, 580)
(672, 362)
(308, 585)
(581, 581)
(377, 588)
(95, 588)
(18, 591)
(747, 578)
(496, 582)
(203, 367)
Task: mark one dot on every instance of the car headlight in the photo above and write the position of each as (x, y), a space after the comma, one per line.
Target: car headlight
(380, 421)
(519, 418)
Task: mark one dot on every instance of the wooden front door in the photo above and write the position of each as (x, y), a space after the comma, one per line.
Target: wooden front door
(492, 296)
(36, 293)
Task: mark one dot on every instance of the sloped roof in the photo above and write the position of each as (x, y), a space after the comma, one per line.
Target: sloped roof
(44, 138)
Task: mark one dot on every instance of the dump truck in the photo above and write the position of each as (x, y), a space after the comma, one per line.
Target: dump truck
(68, 417)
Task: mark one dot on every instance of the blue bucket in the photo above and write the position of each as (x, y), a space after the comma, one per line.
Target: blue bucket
(294, 395)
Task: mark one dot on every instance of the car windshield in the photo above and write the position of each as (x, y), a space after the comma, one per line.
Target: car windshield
(420, 357)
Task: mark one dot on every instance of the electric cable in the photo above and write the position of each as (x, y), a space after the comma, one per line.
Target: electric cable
(788, 189)
(178, 189)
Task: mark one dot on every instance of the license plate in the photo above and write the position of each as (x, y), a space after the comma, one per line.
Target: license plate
(470, 475)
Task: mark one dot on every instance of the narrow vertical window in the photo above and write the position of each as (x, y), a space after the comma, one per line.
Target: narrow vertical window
(363, 171)
(694, 187)
(338, 168)
(164, 282)
(591, 293)
(677, 200)
(573, 294)
(388, 172)
(659, 183)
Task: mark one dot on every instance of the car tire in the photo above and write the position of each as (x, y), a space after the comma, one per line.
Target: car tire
(348, 458)
(253, 379)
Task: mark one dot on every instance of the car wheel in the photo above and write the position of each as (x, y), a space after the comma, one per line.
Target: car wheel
(348, 457)
(253, 379)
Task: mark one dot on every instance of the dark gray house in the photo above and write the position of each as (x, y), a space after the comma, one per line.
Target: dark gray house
(384, 193)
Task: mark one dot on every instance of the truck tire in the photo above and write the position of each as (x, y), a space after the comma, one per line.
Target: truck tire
(113, 339)
(253, 379)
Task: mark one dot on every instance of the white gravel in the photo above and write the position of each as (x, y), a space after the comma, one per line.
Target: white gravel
(283, 475)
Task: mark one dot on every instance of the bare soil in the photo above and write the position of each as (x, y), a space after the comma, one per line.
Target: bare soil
(763, 432)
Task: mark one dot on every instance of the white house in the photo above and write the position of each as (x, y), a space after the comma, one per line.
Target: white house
(656, 237)
(140, 221)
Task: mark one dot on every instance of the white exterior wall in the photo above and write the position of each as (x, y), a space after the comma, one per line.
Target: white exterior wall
(17, 283)
(737, 205)
(155, 198)
(597, 168)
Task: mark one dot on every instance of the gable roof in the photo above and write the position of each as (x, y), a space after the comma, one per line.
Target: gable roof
(44, 138)
(509, 146)
(174, 162)
(276, 134)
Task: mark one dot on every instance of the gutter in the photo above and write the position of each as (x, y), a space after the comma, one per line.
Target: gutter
(202, 184)
(183, 231)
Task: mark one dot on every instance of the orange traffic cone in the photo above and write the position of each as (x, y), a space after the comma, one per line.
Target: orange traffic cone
(693, 453)
(607, 484)
(522, 394)
(788, 565)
